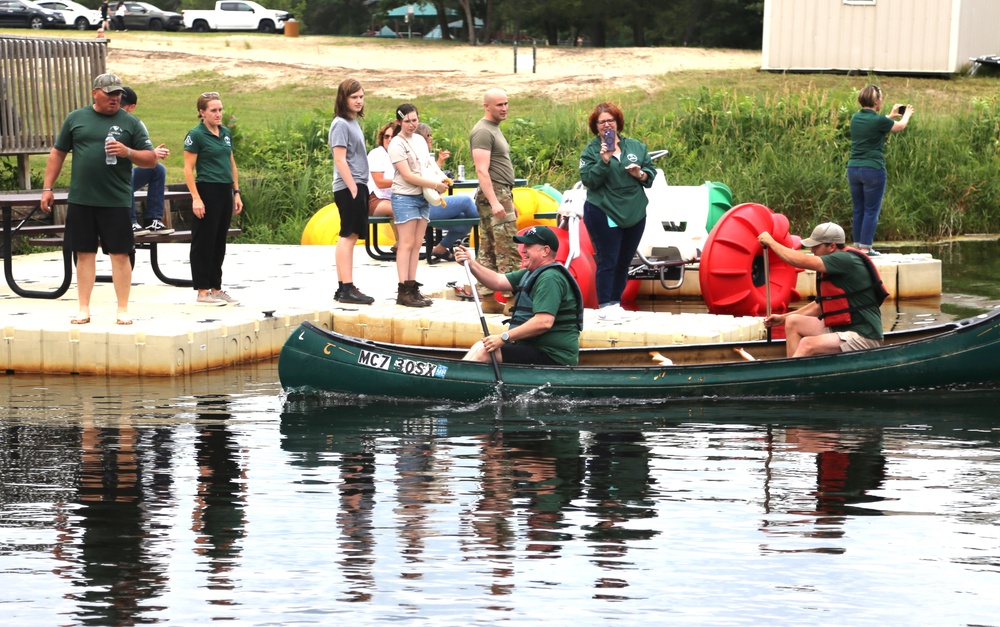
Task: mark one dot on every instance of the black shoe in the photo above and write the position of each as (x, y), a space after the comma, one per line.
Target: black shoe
(352, 296)
(158, 228)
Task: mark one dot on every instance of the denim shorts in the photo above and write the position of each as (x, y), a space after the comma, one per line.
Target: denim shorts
(406, 207)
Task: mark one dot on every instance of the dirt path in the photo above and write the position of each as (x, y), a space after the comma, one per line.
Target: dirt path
(390, 66)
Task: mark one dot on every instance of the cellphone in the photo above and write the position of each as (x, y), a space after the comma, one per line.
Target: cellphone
(609, 139)
(901, 109)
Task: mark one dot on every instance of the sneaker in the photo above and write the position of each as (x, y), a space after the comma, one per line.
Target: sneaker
(138, 230)
(225, 298)
(352, 295)
(210, 300)
(157, 228)
(609, 313)
(873, 253)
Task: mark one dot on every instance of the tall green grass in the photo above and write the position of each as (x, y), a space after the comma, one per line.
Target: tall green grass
(779, 140)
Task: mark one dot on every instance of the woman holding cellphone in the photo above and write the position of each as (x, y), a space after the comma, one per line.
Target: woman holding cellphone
(866, 165)
(616, 170)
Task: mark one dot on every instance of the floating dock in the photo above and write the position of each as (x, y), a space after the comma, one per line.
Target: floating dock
(280, 286)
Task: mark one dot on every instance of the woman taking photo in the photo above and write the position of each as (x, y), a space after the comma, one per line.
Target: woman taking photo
(408, 155)
(350, 185)
(614, 169)
(866, 165)
(215, 198)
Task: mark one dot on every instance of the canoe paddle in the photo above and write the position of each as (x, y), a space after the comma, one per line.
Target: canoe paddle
(501, 388)
(767, 289)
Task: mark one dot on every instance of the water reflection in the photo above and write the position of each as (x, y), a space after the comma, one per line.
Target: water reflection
(447, 512)
(218, 517)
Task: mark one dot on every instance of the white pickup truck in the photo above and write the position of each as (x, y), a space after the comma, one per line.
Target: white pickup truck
(236, 15)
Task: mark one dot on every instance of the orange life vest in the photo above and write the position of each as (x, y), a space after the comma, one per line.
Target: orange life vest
(833, 301)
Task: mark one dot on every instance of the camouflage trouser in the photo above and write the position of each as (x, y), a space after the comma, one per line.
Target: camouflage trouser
(497, 249)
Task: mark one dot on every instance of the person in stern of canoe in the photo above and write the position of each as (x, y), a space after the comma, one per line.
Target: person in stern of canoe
(845, 315)
(547, 317)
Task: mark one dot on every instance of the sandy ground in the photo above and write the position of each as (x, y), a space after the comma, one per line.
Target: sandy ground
(401, 69)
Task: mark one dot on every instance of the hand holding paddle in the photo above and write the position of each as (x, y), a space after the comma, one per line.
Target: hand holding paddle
(462, 256)
(767, 279)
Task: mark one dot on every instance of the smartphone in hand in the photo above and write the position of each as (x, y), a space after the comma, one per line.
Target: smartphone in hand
(901, 109)
(609, 139)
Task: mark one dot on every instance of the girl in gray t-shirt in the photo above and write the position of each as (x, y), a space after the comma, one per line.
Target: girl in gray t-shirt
(350, 185)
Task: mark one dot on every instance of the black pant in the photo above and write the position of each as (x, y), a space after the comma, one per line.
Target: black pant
(208, 235)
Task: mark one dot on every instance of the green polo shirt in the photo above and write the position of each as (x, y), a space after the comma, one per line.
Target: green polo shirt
(868, 133)
(92, 181)
(214, 163)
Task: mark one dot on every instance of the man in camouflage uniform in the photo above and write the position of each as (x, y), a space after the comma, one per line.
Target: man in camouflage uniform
(497, 216)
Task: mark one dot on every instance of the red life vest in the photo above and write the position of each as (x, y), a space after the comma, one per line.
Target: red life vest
(833, 301)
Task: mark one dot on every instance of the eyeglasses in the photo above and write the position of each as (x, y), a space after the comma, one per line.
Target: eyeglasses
(387, 136)
(606, 122)
(210, 94)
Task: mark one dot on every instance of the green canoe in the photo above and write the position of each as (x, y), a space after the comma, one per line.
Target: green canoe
(966, 352)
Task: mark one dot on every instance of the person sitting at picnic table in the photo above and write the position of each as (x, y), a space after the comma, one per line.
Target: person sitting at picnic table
(453, 207)
(845, 315)
(548, 307)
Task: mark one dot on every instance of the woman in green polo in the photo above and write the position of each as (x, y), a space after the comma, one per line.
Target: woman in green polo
(866, 165)
(215, 197)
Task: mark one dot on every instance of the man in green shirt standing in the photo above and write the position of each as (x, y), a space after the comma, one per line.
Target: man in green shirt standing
(100, 192)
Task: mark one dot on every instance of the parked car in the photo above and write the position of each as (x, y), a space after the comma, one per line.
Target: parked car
(236, 15)
(28, 14)
(144, 16)
(76, 15)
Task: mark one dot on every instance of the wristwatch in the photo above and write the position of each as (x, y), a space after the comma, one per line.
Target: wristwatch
(505, 337)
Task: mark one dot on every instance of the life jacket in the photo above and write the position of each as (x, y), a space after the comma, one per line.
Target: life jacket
(834, 302)
(522, 300)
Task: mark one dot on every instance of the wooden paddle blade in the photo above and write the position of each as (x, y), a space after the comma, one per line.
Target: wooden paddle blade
(660, 360)
(745, 355)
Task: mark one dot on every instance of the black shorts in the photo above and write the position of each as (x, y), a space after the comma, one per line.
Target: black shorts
(525, 354)
(353, 212)
(86, 225)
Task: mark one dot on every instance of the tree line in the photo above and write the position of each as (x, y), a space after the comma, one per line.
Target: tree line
(696, 23)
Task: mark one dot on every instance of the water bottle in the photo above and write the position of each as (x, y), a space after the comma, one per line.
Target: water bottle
(461, 173)
(109, 158)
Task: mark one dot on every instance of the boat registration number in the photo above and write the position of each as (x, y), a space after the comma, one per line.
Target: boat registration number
(406, 366)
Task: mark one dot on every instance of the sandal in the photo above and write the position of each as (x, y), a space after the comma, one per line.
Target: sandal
(80, 320)
(463, 292)
(124, 318)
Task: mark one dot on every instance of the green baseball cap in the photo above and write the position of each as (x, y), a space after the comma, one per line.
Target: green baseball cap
(539, 235)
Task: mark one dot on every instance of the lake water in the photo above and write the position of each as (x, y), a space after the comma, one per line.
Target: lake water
(213, 497)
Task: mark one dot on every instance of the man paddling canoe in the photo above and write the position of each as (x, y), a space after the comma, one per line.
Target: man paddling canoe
(547, 317)
(845, 315)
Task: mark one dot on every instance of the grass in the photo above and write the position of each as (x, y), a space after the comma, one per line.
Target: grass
(778, 139)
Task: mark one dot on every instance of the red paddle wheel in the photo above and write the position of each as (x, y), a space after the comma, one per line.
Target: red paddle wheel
(731, 272)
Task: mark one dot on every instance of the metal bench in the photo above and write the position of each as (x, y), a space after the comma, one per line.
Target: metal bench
(52, 235)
